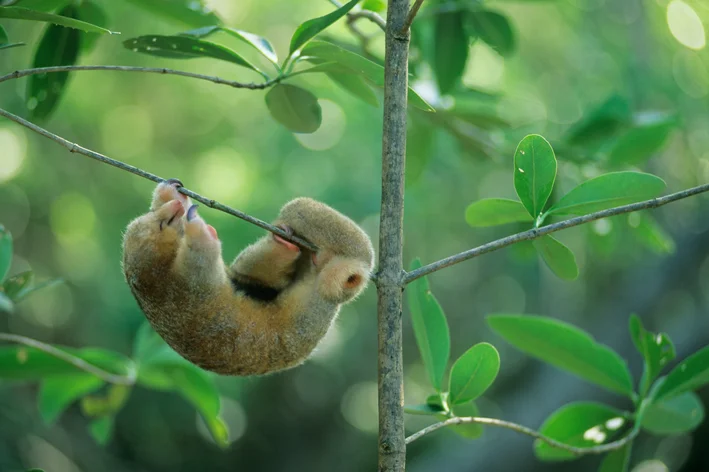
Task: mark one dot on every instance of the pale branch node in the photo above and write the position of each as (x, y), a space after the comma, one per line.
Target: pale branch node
(75, 148)
(77, 362)
(149, 70)
(372, 16)
(579, 451)
(410, 18)
(544, 230)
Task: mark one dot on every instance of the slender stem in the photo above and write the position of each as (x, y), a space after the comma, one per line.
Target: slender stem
(392, 445)
(77, 362)
(372, 16)
(412, 14)
(147, 175)
(579, 451)
(150, 70)
(544, 230)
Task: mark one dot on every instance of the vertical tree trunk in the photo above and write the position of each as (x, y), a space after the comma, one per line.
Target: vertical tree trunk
(392, 448)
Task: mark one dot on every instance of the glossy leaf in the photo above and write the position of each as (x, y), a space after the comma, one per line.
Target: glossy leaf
(582, 424)
(308, 30)
(430, 328)
(59, 46)
(101, 429)
(473, 373)
(652, 235)
(617, 460)
(185, 47)
(261, 44)
(691, 374)
(601, 123)
(646, 138)
(566, 347)
(57, 393)
(535, 172)
(467, 430)
(559, 258)
(26, 363)
(496, 211)
(493, 28)
(374, 5)
(193, 13)
(62, 19)
(356, 85)
(676, 415)
(93, 13)
(5, 252)
(657, 350)
(451, 50)
(372, 72)
(423, 409)
(295, 108)
(608, 191)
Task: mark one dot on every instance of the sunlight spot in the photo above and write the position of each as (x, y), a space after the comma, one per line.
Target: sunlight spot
(127, 131)
(331, 130)
(595, 434)
(14, 146)
(521, 170)
(685, 25)
(224, 174)
(602, 227)
(651, 466)
(359, 406)
(615, 423)
(72, 218)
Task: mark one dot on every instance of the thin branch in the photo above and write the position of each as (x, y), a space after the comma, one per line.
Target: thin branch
(150, 70)
(410, 18)
(579, 451)
(147, 175)
(77, 362)
(372, 16)
(544, 230)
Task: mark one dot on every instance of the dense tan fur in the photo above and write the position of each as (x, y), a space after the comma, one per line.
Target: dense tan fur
(264, 313)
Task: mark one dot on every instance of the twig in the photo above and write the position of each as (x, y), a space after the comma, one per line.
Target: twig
(150, 70)
(544, 230)
(147, 175)
(579, 451)
(410, 18)
(77, 362)
(372, 16)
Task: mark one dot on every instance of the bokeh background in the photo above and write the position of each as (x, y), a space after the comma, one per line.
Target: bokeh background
(67, 214)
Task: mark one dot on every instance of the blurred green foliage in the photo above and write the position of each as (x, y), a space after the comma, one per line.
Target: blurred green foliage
(612, 85)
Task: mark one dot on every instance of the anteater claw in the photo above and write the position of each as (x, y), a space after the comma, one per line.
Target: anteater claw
(192, 212)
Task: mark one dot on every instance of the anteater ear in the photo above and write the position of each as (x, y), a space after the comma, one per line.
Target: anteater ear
(353, 281)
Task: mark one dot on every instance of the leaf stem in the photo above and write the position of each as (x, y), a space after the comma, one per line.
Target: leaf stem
(77, 362)
(544, 230)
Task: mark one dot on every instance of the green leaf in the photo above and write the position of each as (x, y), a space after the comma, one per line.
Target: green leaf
(308, 30)
(651, 234)
(26, 363)
(601, 123)
(608, 191)
(374, 5)
(423, 409)
(582, 424)
(493, 28)
(496, 211)
(42, 5)
(295, 108)
(372, 72)
(535, 172)
(261, 44)
(93, 13)
(19, 13)
(677, 415)
(430, 328)
(617, 460)
(15, 286)
(5, 252)
(59, 46)
(185, 47)
(559, 258)
(451, 50)
(356, 85)
(643, 140)
(473, 373)
(106, 403)
(469, 430)
(101, 429)
(690, 374)
(657, 350)
(6, 305)
(193, 13)
(3, 36)
(566, 347)
(57, 393)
